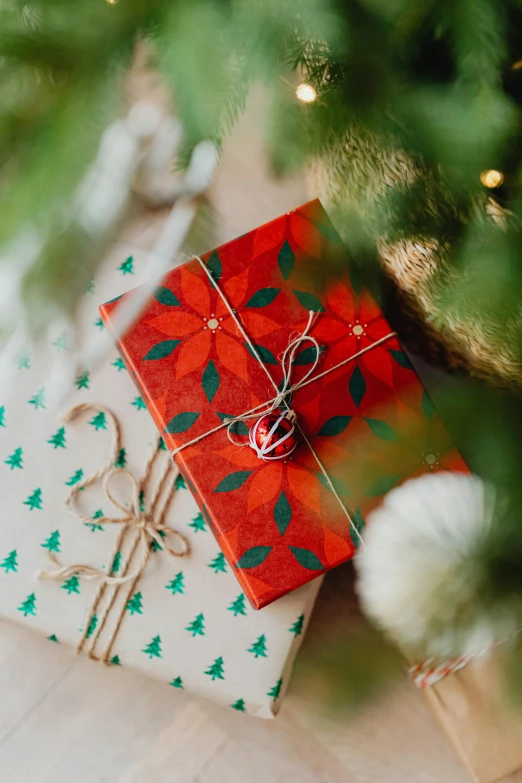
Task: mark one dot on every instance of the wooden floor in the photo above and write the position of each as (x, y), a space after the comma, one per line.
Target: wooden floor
(64, 719)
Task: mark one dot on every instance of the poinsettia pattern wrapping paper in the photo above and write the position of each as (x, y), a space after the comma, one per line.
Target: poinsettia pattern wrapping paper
(364, 426)
(188, 622)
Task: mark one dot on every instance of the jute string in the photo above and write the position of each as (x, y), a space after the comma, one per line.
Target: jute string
(138, 529)
(287, 387)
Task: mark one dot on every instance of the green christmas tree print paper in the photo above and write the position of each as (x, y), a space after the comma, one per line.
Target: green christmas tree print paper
(186, 623)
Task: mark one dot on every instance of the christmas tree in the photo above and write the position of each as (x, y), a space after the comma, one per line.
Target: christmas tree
(276, 690)
(53, 638)
(115, 660)
(180, 482)
(58, 439)
(134, 605)
(75, 478)
(116, 563)
(99, 421)
(62, 342)
(10, 563)
(258, 649)
(176, 585)
(2, 416)
(127, 267)
(138, 403)
(239, 705)
(99, 324)
(38, 399)
(93, 622)
(121, 461)
(218, 563)
(198, 523)
(197, 626)
(72, 585)
(118, 363)
(34, 500)
(23, 361)
(153, 649)
(89, 288)
(154, 545)
(28, 606)
(15, 460)
(141, 501)
(177, 682)
(94, 525)
(82, 380)
(238, 605)
(297, 627)
(216, 670)
(53, 542)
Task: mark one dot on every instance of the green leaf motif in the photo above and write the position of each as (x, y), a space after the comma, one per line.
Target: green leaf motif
(428, 406)
(357, 386)
(214, 265)
(181, 422)
(286, 260)
(266, 356)
(381, 486)
(381, 428)
(253, 557)
(166, 297)
(360, 524)
(308, 355)
(282, 513)
(339, 486)
(210, 381)
(263, 297)
(161, 350)
(238, 428)
(401, 358)
(309, 301)
(335, 425)
(233, 481)
(306, 558)
(356, 280)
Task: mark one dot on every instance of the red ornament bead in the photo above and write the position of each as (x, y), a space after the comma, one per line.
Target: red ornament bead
(273, 436)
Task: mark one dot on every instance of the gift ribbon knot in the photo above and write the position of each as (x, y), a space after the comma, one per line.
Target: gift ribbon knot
(139, 530)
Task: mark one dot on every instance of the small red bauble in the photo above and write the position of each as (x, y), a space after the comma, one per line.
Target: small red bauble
(273, 436)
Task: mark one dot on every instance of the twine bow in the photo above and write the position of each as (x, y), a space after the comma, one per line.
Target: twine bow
(144, 528)
(287, 388)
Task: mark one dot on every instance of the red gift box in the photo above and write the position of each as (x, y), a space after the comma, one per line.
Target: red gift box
(363, 427)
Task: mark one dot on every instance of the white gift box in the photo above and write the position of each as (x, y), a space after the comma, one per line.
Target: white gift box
(187, 622)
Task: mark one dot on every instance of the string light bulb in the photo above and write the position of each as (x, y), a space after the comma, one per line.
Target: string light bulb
(306, 93)
(111, 2)
(491, 178)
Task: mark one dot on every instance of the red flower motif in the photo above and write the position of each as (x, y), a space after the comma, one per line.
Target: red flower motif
(423, 445)
(208, 322)
(356, 324)
(266, 482)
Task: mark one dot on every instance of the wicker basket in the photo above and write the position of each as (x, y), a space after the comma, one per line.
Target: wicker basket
(475, 345)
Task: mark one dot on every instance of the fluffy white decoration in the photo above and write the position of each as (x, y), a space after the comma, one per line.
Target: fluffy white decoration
(420, 571)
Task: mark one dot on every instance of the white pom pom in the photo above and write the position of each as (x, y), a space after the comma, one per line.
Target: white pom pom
(420, 573)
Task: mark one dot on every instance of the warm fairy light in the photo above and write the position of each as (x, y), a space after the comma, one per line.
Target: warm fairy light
(306, 93)
(517, 66)
(492, 178)
(111, 2)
